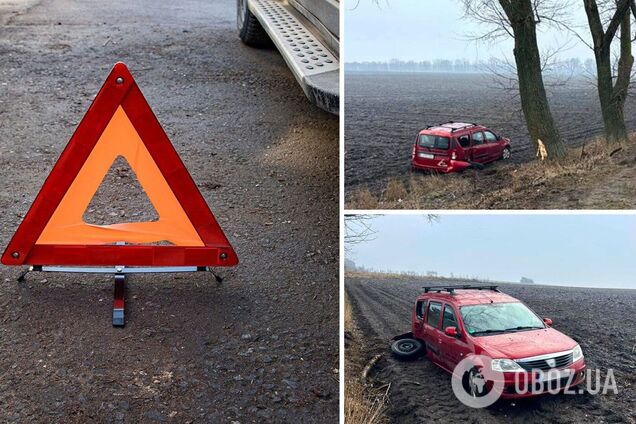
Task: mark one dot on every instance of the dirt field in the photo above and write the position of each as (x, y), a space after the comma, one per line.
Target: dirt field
(602, 320)
(260, 347)
(385, 111)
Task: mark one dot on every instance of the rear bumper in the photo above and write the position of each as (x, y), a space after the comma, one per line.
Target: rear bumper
(442, 166)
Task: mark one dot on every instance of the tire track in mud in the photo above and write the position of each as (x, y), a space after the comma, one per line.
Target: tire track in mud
(421, 392)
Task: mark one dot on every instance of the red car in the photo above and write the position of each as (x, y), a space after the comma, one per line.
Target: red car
(455, 146)
(450, 324)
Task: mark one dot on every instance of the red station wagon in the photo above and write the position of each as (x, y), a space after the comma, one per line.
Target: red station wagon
(450, 324)
(455, 146)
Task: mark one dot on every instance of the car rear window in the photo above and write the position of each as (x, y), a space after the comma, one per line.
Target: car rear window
(434, 141)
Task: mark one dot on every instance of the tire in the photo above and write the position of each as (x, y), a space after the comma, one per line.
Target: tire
(249, 28)
(407, 349)
(505, 155)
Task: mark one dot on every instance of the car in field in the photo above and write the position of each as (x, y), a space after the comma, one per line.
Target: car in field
(455, 146)
(450, 324)
(306, 33)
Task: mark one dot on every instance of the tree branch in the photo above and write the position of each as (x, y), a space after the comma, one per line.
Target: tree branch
(622, 8)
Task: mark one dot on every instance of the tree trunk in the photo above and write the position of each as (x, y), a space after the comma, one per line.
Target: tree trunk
(534, 101)
(612, 95)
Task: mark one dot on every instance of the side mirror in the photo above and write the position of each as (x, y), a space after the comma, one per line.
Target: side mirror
(451, 331)
(548, 322)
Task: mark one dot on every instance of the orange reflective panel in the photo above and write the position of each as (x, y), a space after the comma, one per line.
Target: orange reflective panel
(120, 138)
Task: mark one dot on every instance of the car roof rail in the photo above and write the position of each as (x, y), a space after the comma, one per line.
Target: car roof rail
(468, 125)
(451, 289)
(452, 129)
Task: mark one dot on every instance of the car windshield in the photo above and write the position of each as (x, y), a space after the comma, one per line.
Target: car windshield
(491, 318)
(434, 141)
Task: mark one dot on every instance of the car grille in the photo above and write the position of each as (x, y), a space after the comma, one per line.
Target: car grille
(542, 364)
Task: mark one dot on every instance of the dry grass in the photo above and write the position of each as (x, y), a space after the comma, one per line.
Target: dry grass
(348, 316)
(364, 199)
(395, 191)
(362, 405)
(361, 408)
(583, 173)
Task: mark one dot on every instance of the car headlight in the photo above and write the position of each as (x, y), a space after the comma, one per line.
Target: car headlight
(577, 353)
(505, 365)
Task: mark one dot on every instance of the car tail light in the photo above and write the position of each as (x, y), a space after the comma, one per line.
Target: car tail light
(413, 152)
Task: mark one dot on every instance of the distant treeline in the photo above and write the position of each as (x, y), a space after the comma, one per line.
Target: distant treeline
(571, 66)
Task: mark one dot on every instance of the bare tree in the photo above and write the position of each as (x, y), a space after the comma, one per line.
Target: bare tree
(358, 229)
(612, 89)
(518, 19)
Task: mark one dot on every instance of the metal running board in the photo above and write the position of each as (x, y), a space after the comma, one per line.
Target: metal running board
(315, 67)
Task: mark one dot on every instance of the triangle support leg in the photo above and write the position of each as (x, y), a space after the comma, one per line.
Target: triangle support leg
(118, 301)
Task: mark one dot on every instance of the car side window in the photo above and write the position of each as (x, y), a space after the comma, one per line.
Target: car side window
(449, 317)
(490, 137)
(464, 140)
(434, 309)
(420, 308)
(478, 138)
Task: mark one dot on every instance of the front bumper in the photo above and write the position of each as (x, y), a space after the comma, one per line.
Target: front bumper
(533, 386)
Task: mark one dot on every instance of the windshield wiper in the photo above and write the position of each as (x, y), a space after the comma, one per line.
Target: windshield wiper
(487, 332)
(523, 327)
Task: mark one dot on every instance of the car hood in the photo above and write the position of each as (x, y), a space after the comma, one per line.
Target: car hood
(524, 344)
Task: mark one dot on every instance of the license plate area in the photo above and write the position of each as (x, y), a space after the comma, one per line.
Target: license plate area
(545, 376)
(426, 155)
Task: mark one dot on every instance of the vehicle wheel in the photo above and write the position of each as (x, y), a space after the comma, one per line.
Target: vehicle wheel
(407, 348)
(250, 30)
(506, 153)
(474, 383)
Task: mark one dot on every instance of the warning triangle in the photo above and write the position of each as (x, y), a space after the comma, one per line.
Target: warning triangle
(119, 123)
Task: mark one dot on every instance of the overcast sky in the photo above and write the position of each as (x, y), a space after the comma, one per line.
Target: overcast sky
(435, 29)
(576, 250)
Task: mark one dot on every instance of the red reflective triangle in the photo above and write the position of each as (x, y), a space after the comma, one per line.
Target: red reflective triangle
(53, 233)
